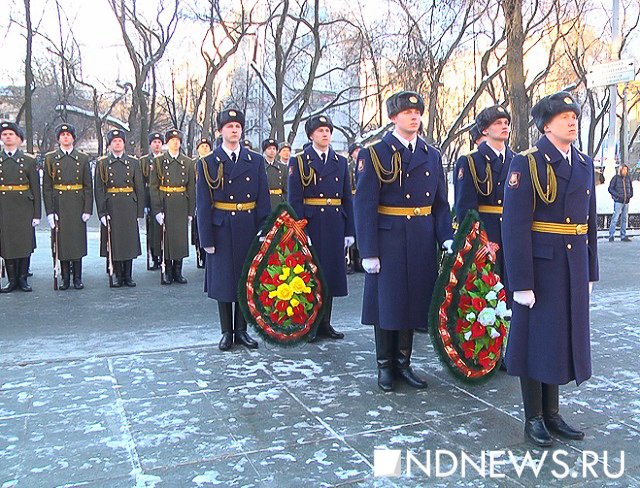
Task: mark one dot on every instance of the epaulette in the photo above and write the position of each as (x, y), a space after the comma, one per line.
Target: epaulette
(471, 152)
(531, 150)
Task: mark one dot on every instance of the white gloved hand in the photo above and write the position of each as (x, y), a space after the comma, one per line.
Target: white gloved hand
(51, 218)
(85, 217)
(160, 218)
(146, 211)
(524, 297)
(448, 246)
(190, 218)
(371, 265)
(349, 241)
(103, 219)
(590, 287)
(210, 250)
(35, 222)
(309, 240)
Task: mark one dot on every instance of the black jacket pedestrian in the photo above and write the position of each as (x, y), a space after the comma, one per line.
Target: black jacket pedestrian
(621, 189)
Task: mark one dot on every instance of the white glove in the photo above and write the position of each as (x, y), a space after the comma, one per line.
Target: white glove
(309, 240)
(525, 297)
(448, 246)
(35, 222)
(85, 217)
(349, 241)
(210, 250)
(190, 218)
(146, 211)
(51, 218)
(104, 218)
(160, 218)
(371, 265)
(590, 287)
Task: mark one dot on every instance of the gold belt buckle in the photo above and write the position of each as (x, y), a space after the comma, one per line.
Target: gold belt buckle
(68, 187)
(239, 206)
(10, 187)
(417, 211)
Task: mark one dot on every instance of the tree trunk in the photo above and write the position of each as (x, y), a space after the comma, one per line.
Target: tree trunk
(28, 79)
(517, 94)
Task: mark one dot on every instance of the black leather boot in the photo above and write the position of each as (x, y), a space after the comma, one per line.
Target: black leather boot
(226, 325)
(155, 263)
(384, 357)
(404, 370)
(12, 275)
(326, 329)
(241, 336)
(126, 273)
(534, 426)
(65, 271)
(177, 272)
(117, 274)
(551, 412)
(167, 276)
(77, 274)
(23, 271)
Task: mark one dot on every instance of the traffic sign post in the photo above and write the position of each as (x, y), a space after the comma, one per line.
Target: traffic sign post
(611, 73)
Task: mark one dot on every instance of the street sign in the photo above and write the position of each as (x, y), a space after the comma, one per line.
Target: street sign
(611, 73)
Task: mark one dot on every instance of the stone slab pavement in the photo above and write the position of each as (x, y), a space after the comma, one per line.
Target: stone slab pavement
(126, 388)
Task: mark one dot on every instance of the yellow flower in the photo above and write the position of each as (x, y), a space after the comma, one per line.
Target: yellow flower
(294, 302)
(272, 293)
(298, 269)
(286, 271)
(307, 289)
(297, 284)
(284, 292)
(289, 311)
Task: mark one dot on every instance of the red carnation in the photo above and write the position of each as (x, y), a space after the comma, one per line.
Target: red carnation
(502, 295)
(274, 317)
(265, 277)
(291, 261)
(281, 306)
(477, 330)
(468, 348)
(299, 257)
(310, 297)
(484, 359)
(479, 303)
(460, 326)
(274, 259)
(465, 302)
(490, 279)
(305, 276)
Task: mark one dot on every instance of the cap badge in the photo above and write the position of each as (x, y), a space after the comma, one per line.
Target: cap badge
(568, 100)
(413, 99)
(232, 113)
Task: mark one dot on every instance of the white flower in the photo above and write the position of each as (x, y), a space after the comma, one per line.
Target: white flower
(471, 317)
(494, 333)
(467, 335)
(502, 311)
(498, 286)
(487, 316)
(492, 295)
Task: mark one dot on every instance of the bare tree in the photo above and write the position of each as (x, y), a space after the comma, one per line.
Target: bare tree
(146, 43)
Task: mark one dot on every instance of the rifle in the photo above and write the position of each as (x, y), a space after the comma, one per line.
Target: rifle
(109, 253)
(147, 221)
(56, 256)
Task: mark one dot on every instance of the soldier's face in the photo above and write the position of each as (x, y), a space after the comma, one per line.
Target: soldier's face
(231, 132)
(563, 127)
(155, 146)
(65, 139)
(270, 152)
(173, 144)
(321, 137)
(407, 121)
(499, 130)
(285, 153)
(117, 145)
(204, 149)
(9, 138)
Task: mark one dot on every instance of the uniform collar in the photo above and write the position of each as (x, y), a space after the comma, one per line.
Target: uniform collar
(496, 152)
(320, 152)
(405, 142)
(172, 156)
(229, 151)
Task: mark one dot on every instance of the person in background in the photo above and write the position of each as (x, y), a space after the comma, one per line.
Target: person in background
(621, 190)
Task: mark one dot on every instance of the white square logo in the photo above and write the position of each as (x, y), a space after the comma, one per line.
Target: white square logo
(387, 462)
